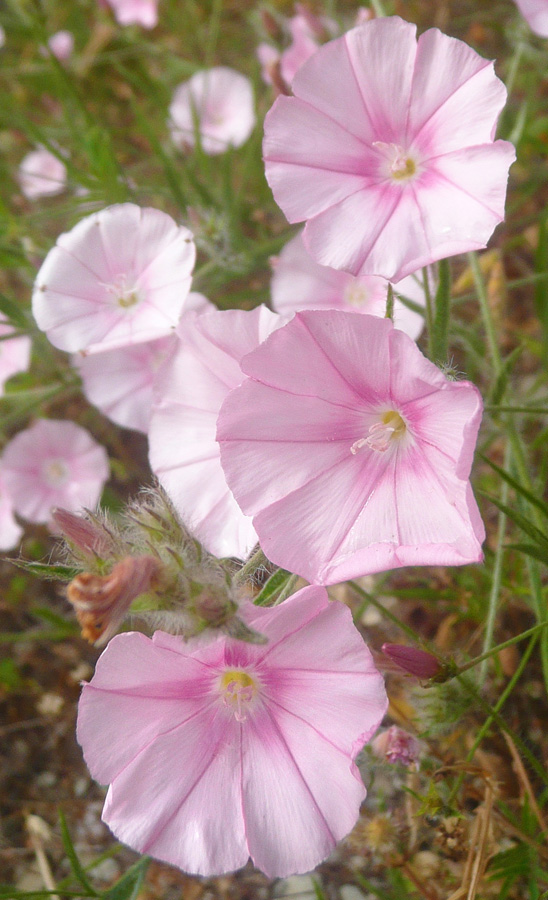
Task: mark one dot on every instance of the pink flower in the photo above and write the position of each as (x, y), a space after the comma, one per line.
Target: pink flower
(61, 45)
(269, 58)
(299, 282)
(222, 101)
(120, 382)
(387, 150)
(536, 14)
(184, 454)
(53, 463)
(232, 750)
(303, 46)
(10, 530)
(138, 12)
(14, 353)
(41, 174)
(351, 450)
(120, 277)
(396, 746)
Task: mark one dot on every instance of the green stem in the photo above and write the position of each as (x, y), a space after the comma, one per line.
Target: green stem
(493, 716)
(213, 33)
(518, 453)
(389, 314)
(494, 593)
(494, 650)
(378, 7)
(254, 562)
(429, 308)
(389, 615)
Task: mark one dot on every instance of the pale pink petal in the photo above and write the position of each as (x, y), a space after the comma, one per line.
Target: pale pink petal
(96, 292)
(337, 487)
(295, 815)
(184, 454)
(222, 100)
(41, 174)
(282, 777)
(120, 382)
(10, 531)
(14, 353)
(452, 83)
(139, 12)
(53, 463)
(302, 47)
(299, 282)
(61, 45)
(118, 691)
(268, 57)
(536, 14)
(363, 150)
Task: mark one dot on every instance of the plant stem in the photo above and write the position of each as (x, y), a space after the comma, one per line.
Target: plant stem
(494, 593)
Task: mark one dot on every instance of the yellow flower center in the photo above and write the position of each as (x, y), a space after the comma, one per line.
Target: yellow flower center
(401, 165)
(238, 689)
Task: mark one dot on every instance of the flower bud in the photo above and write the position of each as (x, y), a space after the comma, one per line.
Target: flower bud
(85, 534)
(101, 601)
(411, 659)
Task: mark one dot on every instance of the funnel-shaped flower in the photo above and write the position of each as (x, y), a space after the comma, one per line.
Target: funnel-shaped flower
(41, 174)
(299, 282)
(53, 463)
(220, 102)
(351, 450)
(536, 14)
(184, 453)
(120, 277)
(387, 150)
(237, 750)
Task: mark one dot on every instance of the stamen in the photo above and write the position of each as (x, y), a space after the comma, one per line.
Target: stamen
(390, 427)
(124, 295)
(239, 689)
(402, 166)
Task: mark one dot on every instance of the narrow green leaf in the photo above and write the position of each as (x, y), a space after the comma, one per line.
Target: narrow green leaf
(501, 382)
(44, 570)
(273, 586)
(535, 533)
(129, 885)
(72, 857)
(13, 312)
(530, 550)
(524, 492)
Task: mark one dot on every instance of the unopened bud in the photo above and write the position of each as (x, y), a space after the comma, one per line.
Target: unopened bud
(270, 24)
(101, 601)
(86, 535)
(396, 745)
(417, 662)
